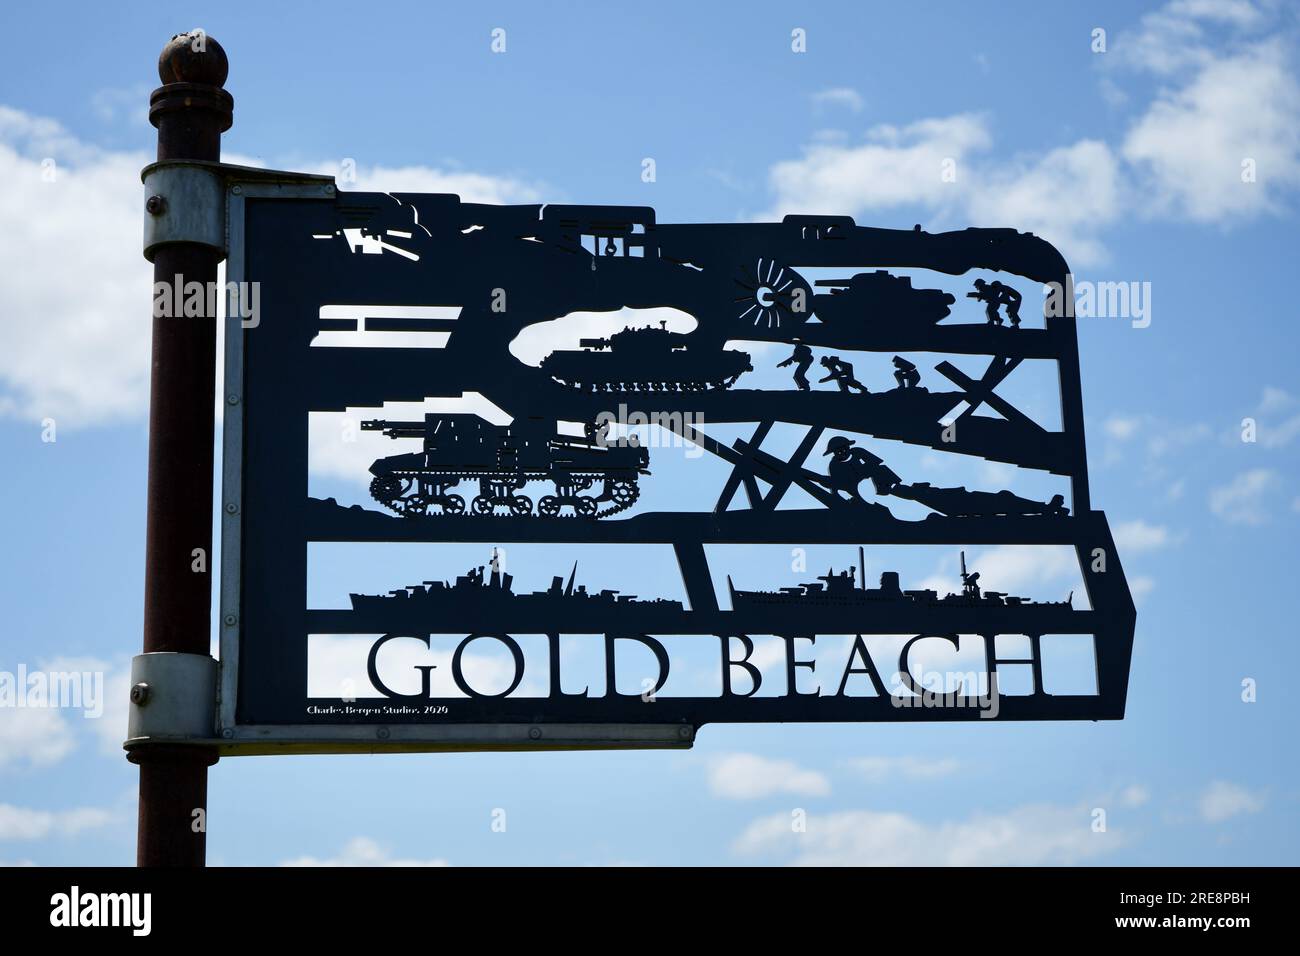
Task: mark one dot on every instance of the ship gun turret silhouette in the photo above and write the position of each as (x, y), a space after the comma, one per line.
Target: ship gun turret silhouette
(503, 459)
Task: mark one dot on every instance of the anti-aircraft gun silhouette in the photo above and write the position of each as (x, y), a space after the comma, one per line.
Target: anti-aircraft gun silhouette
(503, 459)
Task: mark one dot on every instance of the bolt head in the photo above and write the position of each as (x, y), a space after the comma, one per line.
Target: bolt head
(382, 733)
(230, 620)
(232, 508)
(140, 694)
(232, 399)
(155, 205)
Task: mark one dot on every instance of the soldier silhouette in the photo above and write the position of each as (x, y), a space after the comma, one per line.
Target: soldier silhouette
(991, 299)
(905, 373)
(1011, 299)
(801, 358)
(842, 373)
(849, 466)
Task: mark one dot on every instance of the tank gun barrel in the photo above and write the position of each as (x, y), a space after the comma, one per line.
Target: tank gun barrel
(594, 343)
(395, 429)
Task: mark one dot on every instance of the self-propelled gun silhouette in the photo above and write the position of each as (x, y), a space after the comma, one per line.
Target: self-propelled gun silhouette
(503, 459)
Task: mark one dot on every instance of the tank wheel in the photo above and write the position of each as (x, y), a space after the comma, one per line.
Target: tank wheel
(623, 493)
(521, 505)
(482, 505)
(385, 488)
(585, 506)
(453, 505)
(548, 505)
(415, 505)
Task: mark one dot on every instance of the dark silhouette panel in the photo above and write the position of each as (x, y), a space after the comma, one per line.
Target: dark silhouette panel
(456, 477)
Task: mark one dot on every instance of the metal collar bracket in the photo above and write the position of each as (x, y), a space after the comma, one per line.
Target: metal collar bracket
(173, 699)
(185, 200)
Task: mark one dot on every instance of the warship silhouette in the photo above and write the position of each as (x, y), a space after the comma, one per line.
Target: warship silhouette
(839, 589)
(476, 590)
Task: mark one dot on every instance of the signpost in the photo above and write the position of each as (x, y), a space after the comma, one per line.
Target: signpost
(346, 304)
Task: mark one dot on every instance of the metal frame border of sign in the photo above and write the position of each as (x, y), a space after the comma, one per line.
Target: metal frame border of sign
(234, 738)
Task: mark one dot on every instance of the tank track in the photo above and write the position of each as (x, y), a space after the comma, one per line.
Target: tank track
(449, 478)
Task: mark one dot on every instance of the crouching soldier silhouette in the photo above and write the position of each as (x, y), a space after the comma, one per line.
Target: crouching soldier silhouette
(849, 466)
(842, 373)
(905, 373)
(1011, 299)
(991, 299)
(801, 358)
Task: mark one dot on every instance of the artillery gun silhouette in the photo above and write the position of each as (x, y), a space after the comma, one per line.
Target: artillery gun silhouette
(503, 459)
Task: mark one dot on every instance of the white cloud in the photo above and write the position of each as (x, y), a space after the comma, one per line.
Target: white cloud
(1191, 143)
(1067, 196)
(1140, 586)
(748, 776)
(895, 166)
(1134, 796)
(1244, 500)
(1121, 428)
(1135, 537)
(1012, 568)
(361, 851)
(1277, 418)
(842, 96)
(880, 769)
(1181, 157)
(34, 737)
(1029, 836)
(1223, 800)
(75, 291)
(21, 823)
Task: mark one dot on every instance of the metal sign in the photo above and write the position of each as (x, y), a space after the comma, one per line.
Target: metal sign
(541, 345)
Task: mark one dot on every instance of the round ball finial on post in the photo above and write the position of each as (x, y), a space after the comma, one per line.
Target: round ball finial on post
(193, 57)
(190, 109)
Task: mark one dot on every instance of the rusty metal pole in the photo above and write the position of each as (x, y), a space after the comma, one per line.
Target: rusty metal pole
(191, 111)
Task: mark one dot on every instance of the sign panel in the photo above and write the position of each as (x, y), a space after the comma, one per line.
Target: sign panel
(549, 475)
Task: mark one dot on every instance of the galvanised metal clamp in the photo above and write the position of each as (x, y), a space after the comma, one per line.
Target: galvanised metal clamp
(173, 699)
(185, 201)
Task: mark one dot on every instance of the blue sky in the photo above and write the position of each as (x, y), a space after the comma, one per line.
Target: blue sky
(1129, 160)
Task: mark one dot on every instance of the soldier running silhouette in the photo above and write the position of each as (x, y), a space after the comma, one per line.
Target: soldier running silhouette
(842, 373)
(905, 373)
(801, 359)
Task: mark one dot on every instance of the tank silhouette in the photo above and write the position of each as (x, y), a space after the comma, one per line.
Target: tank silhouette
(647, 359)
(879, 295)
(503, 459)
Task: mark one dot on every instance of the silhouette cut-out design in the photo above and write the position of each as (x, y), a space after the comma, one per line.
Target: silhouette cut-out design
(801, 358)
(485, 596)
(994, 295)
(647, 360)
(841, 373)
(553, 475)
(905, 373)
(837, 590)
(503, 459)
